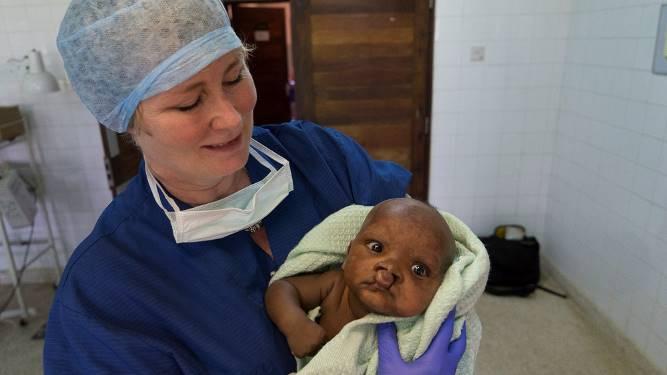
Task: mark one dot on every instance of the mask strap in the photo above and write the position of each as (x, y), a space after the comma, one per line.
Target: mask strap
(262, 160)
(268, 152)
(154, 185)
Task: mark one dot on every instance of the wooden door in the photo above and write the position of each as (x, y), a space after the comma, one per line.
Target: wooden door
(265, 29)
(364, 68)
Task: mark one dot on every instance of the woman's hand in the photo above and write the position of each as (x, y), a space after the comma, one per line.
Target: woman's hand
(441, 357)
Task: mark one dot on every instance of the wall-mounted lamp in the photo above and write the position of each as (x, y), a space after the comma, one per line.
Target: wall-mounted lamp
(37, 80)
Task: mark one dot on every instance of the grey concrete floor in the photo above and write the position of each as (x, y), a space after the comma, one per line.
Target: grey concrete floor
(544, 334)
(541, 334)
(19, 353)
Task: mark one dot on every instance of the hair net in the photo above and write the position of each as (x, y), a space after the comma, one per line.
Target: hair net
(120, 52)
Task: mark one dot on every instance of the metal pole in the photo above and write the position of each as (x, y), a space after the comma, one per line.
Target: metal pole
(12, 268)
(39, 192)
(52, 243)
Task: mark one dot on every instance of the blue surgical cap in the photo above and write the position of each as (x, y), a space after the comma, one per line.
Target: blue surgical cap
(120, 52)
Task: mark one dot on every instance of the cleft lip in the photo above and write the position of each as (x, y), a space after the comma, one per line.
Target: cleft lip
(385, 278)
(373, 285)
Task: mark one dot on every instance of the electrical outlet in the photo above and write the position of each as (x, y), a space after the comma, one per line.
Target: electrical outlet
(477, 53)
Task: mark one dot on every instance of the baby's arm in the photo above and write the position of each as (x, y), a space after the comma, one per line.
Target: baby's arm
(287, 303)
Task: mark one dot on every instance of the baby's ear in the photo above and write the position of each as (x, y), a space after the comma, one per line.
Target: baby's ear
(342, 266)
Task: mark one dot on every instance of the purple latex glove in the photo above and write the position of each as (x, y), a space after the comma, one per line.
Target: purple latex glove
(440, 358)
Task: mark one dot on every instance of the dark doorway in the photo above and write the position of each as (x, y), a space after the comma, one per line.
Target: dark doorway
(266, 28)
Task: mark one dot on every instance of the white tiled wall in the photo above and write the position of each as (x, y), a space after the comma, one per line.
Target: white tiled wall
(66, 135)
(563, 128)
(606, 223)
(494, 121)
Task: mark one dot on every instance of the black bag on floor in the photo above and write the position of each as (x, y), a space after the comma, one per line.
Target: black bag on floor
(515, 261)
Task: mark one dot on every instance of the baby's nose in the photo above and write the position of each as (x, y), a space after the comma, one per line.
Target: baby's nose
(384, 278)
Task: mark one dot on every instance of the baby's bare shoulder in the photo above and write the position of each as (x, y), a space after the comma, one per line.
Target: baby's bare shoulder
(335, 285)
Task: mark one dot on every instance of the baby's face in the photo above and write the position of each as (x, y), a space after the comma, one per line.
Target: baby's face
(395, 264)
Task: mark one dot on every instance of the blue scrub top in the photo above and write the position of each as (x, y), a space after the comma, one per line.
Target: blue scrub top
(132, 300)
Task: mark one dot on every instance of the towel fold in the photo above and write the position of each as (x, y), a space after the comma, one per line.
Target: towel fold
(354, 349)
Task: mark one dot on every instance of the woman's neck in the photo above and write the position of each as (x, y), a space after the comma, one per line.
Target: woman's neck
(195, 194)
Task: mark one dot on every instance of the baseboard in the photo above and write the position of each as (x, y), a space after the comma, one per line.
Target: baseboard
(30, 276)
(599, 321)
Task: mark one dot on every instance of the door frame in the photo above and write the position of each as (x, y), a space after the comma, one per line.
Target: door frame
(425, 31)
(121, 159)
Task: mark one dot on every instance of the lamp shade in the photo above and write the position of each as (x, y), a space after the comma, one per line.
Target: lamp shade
(38, 80)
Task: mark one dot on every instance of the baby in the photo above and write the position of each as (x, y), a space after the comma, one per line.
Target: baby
(394, 266)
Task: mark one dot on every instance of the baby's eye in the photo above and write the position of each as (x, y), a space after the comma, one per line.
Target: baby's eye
(375, 246)
(419, 270)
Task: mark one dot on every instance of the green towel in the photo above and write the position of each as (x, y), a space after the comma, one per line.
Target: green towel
(354, 349)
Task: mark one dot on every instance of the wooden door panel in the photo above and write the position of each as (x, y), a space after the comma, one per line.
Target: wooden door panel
(336, 111)
(356, 76)
(389, 146)
(393, 135)
(362, 21)
(355, 92)
(377, 36)
(383, 65)
(323, 54)
(400, 156)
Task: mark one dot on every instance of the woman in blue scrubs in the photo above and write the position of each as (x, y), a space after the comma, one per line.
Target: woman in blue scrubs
(172, 277)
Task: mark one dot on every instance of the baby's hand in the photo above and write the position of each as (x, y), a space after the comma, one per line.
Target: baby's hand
(306, 339)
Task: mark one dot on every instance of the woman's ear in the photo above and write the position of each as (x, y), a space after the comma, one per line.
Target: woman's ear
(136, 124)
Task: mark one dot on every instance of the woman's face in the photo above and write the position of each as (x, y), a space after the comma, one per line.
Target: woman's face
(198, 132)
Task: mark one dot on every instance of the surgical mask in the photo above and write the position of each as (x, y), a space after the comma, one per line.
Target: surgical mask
(233, 213)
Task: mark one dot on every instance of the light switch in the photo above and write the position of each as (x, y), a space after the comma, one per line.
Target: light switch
(477, 53)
